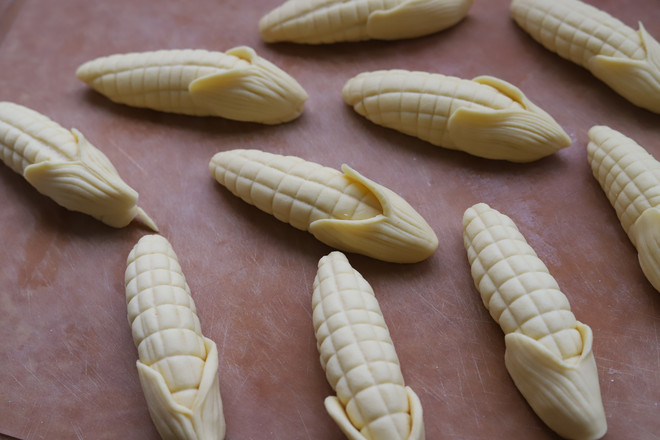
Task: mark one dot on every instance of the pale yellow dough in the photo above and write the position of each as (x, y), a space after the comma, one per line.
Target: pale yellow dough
(64, 166)
(359, 359)
(630, 177)
(330, 21)
(548, 352)
(485, 116)
(344, 210)
(177, 366)
(237, 84)
(626, 60)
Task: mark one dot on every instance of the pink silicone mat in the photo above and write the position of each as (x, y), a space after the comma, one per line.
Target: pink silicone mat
(67, 359)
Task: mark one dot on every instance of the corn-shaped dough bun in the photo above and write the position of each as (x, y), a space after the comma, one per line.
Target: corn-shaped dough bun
(548, 352)
(626, 60)
(630, 177)
(344, 210)
(178, 366)
(485, 117)
(358, 357)
(64, 166)
(238, 84)
(330, 21)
